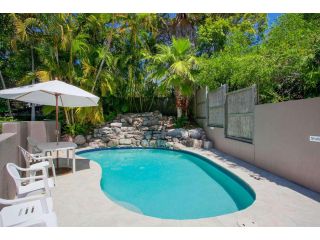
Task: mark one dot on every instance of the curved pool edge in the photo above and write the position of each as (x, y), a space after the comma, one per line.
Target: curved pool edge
(185, 150)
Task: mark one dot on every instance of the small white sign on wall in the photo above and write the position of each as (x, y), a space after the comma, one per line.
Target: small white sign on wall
(314, 139)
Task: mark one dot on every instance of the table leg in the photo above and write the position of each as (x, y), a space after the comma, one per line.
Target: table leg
(68, 159)
(57, 159)
(74, 160)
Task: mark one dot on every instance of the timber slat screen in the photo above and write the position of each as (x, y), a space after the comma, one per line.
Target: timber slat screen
(201, 100)
(239, 122)
(216, 107)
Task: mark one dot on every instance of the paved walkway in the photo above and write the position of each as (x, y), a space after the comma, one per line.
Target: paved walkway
(79, 201)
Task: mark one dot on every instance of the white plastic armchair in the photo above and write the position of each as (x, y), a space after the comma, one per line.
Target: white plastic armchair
(35, 161)
(33, 143)
(26, 185)
(29, 211)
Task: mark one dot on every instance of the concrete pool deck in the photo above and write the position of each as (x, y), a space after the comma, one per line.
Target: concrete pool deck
(79, 201)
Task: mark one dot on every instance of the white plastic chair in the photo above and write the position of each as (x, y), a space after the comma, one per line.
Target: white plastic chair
(33, 143)
(37, 160)
(26, 185)
(29, 211)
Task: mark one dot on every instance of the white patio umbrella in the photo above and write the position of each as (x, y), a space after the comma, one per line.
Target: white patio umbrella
(52, 93)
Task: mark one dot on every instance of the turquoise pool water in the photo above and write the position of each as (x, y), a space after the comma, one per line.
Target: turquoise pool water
(169, 184)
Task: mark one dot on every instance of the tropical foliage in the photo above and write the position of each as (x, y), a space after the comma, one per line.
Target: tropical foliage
(137, 57)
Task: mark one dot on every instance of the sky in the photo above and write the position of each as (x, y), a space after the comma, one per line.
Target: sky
(272, 17)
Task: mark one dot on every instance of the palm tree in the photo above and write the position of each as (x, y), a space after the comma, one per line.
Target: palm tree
(173, 67)
(27, 30)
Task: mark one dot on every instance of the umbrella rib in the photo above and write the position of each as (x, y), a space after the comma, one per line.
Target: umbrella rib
(91, 100)
(61, 100)
(17, 98)
(47, 92)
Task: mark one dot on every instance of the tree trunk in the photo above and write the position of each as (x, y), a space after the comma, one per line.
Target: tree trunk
(4, 87)
(33, 109)
(179, 112)
(182, 104)
(108, 44)
(179, 100)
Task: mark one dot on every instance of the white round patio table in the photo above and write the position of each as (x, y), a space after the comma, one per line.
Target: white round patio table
(60, 146)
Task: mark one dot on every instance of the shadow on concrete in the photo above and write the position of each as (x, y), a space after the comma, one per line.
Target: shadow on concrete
(81, 163)
(260, 174)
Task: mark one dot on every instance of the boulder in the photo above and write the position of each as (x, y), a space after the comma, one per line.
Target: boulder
(79, 140)
(175, 140)
(97, 143)
(89, 137)
(113, 143)
(144, 143)
(153, 143)
(116, 124)
(116, 130)
(124, 141)
(178, 133)
(161, 143)
(195, 133)
(190, 142)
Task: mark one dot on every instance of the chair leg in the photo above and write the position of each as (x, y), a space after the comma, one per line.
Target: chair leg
(74, 160)
(53, 172)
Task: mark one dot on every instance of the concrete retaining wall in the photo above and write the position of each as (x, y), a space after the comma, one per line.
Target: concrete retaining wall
(14, 134)
(8, 153)
(281, 141)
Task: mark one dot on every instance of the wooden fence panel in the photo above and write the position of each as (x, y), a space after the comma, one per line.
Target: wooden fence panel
(201, 101)
(216, 105)
(239, 122)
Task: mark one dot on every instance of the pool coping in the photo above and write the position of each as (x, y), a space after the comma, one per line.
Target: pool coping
(278, 202)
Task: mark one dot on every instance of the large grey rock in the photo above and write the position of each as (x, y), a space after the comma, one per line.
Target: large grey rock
(153, 143)
(117, 131)
(124, 141)
(190, 142)
(129, 120)
(97, 143)
(89, 137)
(113, 143)
(130, 129)
(178, 133)
(144, 143)
(195, 133)
(138, 137)
(79, 140)
(161, 143)
(116, 124)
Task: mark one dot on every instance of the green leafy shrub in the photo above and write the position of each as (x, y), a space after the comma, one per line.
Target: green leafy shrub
(181, 122)
(76, 129)
(5, 119)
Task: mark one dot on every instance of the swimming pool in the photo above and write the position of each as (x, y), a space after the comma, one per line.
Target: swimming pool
(169, 184)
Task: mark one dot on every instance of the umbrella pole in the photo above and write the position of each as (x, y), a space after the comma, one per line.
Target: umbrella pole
(57, 126)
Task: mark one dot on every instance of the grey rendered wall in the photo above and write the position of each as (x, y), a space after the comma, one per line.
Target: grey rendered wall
(14, 134)
(282, 143)
(8, 153)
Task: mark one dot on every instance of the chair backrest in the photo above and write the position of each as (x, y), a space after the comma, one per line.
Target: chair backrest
(27, 156)
(14, 173)
(33, 143)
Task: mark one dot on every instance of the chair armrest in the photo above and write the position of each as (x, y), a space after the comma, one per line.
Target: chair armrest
(43, 158)
(32, 178)
(21, 200)
(36, 155)
(29, 169)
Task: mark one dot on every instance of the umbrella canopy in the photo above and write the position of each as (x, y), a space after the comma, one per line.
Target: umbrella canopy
(45, 94)
(52, 93)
